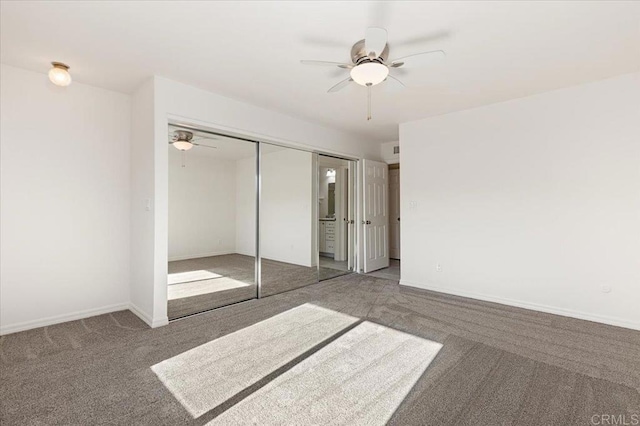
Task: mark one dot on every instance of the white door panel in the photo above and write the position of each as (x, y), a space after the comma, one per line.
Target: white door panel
(376, 217)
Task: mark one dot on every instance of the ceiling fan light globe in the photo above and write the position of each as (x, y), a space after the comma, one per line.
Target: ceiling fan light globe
(183, 145)
(369, 73)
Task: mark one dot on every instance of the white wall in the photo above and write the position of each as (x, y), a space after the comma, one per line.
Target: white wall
(246, 206)
(286, 207)
(180, 102)
(64, 221)
(287, 215)
(202, 205)
(533, 202)
(387, 154)
(142, 206)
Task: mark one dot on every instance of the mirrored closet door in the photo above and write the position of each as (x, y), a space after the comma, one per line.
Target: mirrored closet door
(288, 218)
(253, 219)
(212, 221)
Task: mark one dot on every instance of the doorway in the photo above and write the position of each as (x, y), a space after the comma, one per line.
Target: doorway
(381, 251)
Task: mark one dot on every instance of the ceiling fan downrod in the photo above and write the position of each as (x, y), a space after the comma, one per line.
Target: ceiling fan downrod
(369, 101)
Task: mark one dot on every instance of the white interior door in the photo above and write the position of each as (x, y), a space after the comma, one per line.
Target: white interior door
(394, 213)
(376, 215)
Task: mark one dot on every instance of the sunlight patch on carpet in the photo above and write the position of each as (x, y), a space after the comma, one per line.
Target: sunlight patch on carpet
(188, 276)
(359, 379)
(207, 375)
(197, 288)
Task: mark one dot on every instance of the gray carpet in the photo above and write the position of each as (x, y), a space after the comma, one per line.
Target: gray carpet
(497, 365)
(359, 379)
(206, 376)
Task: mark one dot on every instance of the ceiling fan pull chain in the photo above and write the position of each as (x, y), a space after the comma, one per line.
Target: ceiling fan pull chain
(183, 154)
(369, 101)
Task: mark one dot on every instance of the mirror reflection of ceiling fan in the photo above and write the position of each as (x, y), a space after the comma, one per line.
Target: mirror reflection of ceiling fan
(184, 140)
(370, 64)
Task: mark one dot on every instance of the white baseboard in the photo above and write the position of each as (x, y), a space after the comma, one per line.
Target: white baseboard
(141, 314)
(57, 319)
(160, 322)
(196, 256)
(151, 322)
(618, 322)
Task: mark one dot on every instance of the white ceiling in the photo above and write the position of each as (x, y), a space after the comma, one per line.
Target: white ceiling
(251, 50)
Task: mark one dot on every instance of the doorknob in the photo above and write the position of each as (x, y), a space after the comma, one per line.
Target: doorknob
(368, 222)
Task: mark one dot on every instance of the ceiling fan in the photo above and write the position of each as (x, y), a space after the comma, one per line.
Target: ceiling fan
(184, 140)
(370, 64)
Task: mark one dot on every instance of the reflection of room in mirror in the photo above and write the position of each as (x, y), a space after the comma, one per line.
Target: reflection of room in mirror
(213, 213)
(212, 216)
(334, 204)
(287, 245)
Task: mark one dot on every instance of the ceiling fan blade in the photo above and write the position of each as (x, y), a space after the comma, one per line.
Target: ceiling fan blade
(200, 138)
(204, 146)
(344, 83)
(327, 63)
(423, 39)
(419, 59)
(374, 41)
(392, 84)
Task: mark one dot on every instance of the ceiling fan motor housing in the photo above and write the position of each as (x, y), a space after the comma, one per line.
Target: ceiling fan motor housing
(359, 54)
(182, 135)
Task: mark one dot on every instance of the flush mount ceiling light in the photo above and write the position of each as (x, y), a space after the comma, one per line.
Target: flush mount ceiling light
(59, 74)
(370, 64)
